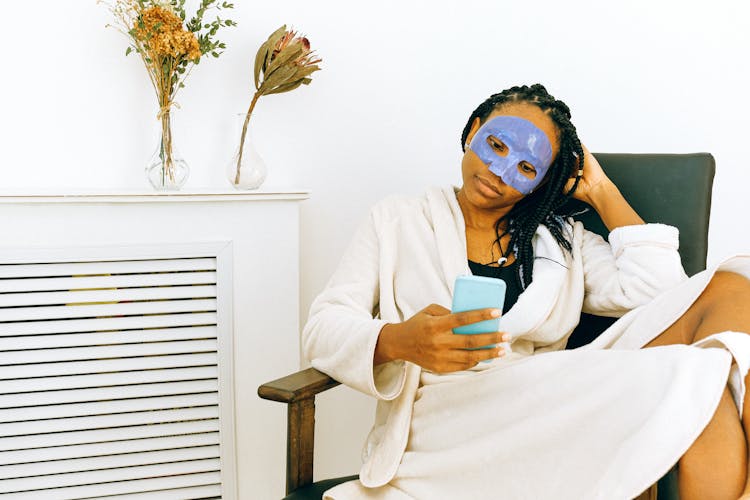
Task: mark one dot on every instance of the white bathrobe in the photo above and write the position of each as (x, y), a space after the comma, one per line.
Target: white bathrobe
(603, 421)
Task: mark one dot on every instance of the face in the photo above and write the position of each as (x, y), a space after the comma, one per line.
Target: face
(508, 155)
(515, 150)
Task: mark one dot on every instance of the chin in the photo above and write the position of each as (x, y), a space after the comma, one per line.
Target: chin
(481, 201)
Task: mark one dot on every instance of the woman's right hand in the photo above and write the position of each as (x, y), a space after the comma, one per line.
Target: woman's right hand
(427, 339)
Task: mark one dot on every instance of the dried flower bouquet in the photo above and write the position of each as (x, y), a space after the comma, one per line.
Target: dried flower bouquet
(170, 49)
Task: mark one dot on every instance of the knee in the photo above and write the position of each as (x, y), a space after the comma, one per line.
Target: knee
(728, 283)
(725, 287)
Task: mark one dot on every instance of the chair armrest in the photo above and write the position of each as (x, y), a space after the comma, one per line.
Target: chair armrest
(298, 392)
(297, 386)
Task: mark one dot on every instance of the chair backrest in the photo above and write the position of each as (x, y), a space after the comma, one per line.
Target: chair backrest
(673, 189)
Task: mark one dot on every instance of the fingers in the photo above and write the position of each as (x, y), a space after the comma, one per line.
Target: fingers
(462, 360)
(475, 340)
(436, 310)
(468, 350)
(443, 351)
(467, 317)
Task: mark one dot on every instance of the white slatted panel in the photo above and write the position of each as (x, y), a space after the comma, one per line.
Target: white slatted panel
(109, 379)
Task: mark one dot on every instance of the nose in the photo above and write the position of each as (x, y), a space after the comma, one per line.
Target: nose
(497, 177)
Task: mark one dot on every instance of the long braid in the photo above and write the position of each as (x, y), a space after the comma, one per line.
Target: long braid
(541, 206)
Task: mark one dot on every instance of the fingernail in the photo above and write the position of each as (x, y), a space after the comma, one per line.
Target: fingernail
(506, 337)
(495, 313)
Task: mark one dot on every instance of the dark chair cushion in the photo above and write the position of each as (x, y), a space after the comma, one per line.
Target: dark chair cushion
(667, 488)
(667, 188)
(315, 491)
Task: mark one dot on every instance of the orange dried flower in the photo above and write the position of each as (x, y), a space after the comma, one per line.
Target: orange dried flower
(154, 20)
(162, 34)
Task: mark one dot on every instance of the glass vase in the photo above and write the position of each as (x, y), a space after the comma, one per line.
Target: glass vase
(246, 170)
(166, 170)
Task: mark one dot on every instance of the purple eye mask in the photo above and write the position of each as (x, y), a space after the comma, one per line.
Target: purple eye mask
(524, 142)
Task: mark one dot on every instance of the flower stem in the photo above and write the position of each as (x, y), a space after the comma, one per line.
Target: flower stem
(244, 131)
(166, 147)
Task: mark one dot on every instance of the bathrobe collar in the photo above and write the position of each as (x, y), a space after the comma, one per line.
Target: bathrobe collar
(536, 302)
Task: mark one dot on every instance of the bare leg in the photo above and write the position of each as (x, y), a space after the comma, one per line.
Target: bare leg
(716, 465)
(646, 495)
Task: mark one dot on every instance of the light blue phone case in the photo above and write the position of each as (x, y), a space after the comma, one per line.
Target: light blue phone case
(478, 292)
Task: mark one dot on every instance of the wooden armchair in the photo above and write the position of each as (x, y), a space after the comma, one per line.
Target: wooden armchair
(670, 188)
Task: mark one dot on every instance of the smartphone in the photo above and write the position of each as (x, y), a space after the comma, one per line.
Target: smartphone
(478, 292)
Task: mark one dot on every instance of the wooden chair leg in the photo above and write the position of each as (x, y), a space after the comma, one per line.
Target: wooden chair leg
(300, 442)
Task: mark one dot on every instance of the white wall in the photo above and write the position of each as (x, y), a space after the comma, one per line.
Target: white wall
(385, 113)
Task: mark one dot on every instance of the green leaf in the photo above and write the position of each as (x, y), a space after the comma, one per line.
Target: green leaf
(128, 50)
(260, 58)
(290, 53)
(280, 76)
(272, 41)
(305, 71)
(274, 37)
(288, 86)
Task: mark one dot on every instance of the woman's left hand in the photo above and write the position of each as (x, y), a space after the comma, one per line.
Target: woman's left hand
(596, 189)
(593, 179)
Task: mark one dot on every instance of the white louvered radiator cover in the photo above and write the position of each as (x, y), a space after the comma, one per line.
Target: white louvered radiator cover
(113, 372)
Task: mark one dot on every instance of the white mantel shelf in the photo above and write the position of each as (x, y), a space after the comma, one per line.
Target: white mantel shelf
(140, 196)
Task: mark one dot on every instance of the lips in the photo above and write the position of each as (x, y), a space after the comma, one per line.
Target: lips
(487, 185)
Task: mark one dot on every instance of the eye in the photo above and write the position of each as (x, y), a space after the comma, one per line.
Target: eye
(496, 143)
(527, 170)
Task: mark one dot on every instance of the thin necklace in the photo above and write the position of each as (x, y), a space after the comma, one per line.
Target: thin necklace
(503, 255)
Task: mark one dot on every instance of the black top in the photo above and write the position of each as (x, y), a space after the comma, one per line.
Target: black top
(509, 274)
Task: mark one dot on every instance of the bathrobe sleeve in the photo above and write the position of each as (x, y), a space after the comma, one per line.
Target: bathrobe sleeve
(637, 264)
(342, 331)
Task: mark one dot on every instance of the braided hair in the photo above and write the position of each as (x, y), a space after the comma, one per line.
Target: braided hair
(543, 205)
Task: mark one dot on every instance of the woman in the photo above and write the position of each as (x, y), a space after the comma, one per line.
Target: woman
(535, 421)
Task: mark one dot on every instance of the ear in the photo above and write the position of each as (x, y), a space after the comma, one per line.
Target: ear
(473, 130)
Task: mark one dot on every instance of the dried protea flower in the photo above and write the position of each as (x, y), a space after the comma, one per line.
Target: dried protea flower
(284, 62)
